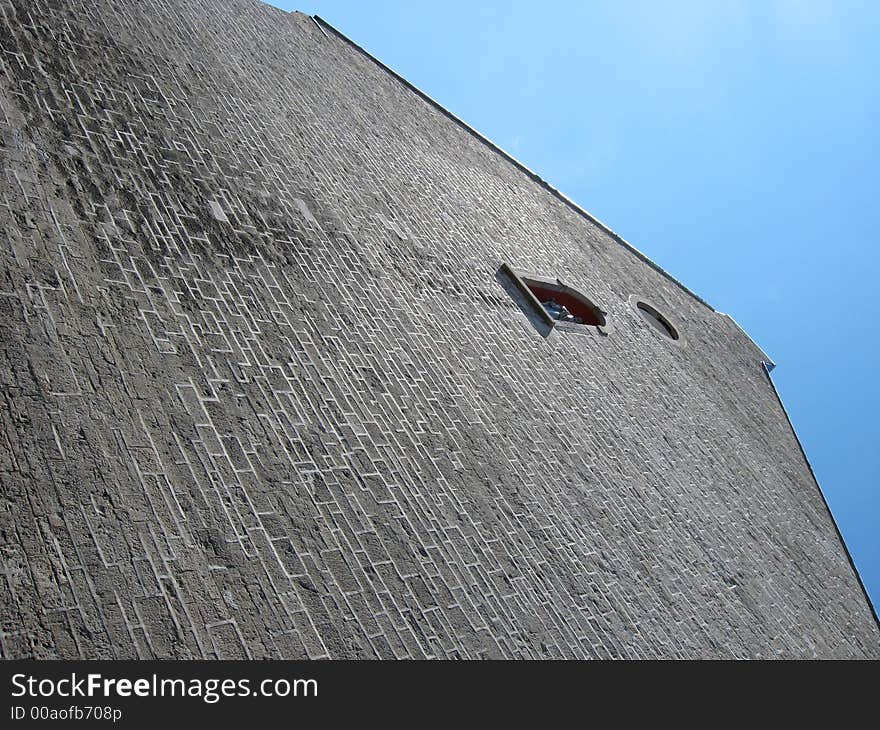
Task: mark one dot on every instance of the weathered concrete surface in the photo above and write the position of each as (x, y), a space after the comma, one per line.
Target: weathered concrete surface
(263, 395)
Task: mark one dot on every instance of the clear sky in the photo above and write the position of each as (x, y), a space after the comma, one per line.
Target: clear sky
(737, 144)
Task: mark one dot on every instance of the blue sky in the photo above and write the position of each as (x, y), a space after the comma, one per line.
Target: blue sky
(735, 143)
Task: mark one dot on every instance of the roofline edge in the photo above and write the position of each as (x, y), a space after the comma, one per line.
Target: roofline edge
(536, 178)
(522, 167)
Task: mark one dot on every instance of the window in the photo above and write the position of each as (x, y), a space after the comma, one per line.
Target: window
(656, 320)
(551, 304)
(564, 304)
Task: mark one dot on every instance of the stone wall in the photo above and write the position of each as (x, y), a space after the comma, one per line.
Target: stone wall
(264, 393)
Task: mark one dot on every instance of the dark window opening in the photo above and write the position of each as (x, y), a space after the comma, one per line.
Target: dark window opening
(564, 304)
(657, 320)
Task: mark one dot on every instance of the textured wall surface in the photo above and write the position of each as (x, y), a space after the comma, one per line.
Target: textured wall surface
(263, 395)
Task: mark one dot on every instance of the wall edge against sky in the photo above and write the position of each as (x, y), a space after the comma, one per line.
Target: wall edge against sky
(766, 367)
(767, 364)
(323, 24)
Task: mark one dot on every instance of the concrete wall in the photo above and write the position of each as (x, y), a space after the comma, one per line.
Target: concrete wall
(264, 396)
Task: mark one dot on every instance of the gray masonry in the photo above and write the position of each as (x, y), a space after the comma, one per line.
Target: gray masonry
(271, 387)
